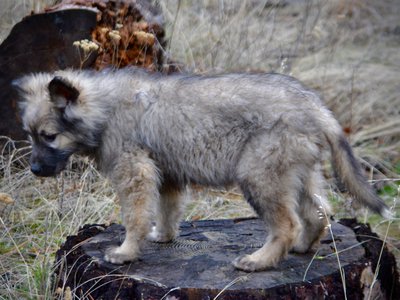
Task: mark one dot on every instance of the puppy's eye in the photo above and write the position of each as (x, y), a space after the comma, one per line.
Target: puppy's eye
(48, 137)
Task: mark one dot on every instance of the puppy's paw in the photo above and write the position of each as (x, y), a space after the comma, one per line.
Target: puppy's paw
(300, 249)
(118, 256)
(159, 236)
(248, 263)
(245, 263)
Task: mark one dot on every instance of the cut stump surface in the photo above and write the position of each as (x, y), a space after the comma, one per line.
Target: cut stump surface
(197, 265)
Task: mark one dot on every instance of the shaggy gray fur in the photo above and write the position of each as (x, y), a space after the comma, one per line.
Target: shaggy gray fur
(153, 135)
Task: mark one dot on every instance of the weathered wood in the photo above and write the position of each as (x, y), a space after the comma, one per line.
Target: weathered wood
(40, 42)
(198, 265)
(123, 32)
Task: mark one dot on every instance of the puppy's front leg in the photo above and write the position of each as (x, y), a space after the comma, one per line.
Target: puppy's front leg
(136, 181)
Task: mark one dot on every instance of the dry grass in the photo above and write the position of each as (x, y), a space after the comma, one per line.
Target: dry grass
(347, 50)
(43, 214)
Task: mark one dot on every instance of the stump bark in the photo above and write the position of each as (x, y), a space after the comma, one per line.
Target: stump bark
(197, 265)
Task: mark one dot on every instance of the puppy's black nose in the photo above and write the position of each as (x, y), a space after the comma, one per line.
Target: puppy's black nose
(36, 169)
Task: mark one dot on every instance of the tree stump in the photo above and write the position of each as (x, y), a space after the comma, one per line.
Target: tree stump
(38, 43)
(122, 32)
(197, 265)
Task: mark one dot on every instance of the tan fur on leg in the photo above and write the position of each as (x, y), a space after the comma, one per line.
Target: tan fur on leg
(136, 180)
(280, 239)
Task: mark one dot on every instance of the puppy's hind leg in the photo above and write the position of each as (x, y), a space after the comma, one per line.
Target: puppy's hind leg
(314, 210)
(168, 214)
(135, 179)
(275, 203)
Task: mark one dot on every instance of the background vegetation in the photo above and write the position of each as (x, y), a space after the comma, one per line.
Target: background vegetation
(348, 50)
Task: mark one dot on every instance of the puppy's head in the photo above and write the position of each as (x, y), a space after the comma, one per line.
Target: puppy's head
(50, 115)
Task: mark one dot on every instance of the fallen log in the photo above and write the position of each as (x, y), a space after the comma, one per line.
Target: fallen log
(197, 265)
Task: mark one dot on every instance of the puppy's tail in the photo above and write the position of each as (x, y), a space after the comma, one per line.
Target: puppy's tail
(349, 169)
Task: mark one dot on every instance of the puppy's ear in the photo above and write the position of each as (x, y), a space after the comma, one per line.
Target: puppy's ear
(62, 92)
